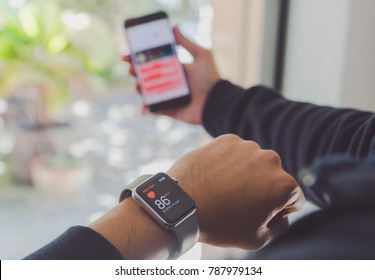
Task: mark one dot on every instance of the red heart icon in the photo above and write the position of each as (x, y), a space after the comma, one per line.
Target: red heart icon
(151, 195)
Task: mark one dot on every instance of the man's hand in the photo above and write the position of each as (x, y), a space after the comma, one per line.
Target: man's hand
(243, 198)
(202, 76)
(243, 195)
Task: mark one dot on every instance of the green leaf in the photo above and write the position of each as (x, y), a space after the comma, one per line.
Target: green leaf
(57, 43)
(28, 20)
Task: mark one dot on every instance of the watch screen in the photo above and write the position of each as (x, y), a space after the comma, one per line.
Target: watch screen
(166, 198)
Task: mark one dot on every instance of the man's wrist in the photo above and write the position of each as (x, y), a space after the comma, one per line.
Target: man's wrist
(134, 233)
(167, 203)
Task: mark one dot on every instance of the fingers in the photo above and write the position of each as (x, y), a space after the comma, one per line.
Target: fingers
(296, 202)
(127, 58)
(170, 113)
(138, 88)
(277, 225)
(291, 194)
(186, 43)
(279, 222)
(145, 110)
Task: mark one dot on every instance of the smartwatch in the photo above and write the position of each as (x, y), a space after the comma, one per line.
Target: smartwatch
(172, 208)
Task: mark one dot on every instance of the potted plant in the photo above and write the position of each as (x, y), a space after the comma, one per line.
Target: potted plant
(46, 53)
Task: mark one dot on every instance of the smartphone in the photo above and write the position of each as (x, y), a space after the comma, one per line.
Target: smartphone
(159, 72)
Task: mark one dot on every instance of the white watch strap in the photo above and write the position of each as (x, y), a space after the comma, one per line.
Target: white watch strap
(186, 232)
(127, 192)
(187, 235)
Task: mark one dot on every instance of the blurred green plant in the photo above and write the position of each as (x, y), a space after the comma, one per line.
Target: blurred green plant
(44, 44)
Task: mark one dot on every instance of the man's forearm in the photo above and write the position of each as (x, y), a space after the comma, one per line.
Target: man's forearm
(299, 132)
(135, 235)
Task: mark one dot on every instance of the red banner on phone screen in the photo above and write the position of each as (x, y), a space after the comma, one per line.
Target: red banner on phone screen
(161, 75)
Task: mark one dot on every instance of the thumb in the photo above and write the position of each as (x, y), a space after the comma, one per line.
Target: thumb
(192, 48)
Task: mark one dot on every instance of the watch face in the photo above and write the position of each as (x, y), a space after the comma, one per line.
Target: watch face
(167, 199)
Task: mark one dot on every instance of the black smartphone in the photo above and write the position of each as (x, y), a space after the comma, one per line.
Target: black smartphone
(159, 72)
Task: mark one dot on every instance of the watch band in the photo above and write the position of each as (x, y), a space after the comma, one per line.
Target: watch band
(127, 192)
(186, 232)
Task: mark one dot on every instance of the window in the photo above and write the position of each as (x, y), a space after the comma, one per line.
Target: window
(71, 50)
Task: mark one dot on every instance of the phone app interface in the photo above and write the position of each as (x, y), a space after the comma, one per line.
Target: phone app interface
(160, 73)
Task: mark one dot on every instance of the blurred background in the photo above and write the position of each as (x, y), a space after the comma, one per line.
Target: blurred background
(71, 132)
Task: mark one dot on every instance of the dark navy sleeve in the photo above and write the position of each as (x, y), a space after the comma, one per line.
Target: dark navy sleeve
(77, 243)
(345, 229)
(299, 132)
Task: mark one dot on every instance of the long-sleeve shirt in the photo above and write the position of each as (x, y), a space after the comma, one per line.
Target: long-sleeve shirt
(336, 144)
(299, 132)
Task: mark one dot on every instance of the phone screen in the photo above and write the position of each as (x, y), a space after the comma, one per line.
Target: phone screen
(155, 61)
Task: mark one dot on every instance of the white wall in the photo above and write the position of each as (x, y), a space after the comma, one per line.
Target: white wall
(244, 39)
(359, 77)
(330, 52)
(316, 49)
